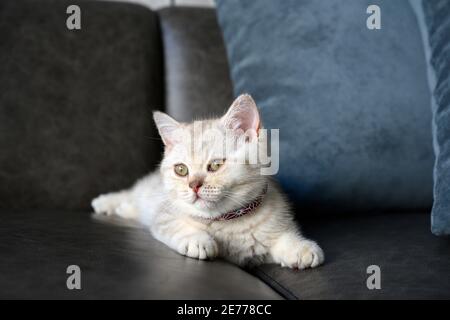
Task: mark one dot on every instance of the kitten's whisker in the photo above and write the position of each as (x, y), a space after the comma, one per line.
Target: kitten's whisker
(228, 196)
(251, 193)
(153, 138)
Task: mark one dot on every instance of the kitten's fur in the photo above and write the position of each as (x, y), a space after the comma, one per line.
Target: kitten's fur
(168, 205)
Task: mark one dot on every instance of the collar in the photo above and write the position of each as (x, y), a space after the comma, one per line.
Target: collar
(248, 208)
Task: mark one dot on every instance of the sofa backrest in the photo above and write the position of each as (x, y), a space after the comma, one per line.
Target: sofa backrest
(76, 105)
(197, 76)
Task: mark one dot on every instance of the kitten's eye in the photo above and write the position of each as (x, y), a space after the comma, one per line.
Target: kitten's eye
(181, 170)
(215, 165)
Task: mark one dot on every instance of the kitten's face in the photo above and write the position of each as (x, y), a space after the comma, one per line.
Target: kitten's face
(200, 172)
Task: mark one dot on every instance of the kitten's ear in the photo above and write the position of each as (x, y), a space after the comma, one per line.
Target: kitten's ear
(167, 127)
(243, 115)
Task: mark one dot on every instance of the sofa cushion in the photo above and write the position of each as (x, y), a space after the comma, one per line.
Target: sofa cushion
(351, 103)
(116, 262)
(434, 19)
(413, 263)
(75, 105)
(197, 79)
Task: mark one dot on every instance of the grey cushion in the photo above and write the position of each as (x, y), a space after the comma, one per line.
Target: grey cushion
(75, 106)
(116, 262)
(197, 79)
(351, 103)
(414, 264)
(434, 19)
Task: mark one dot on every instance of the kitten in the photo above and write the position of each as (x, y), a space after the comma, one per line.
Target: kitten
(205, 202)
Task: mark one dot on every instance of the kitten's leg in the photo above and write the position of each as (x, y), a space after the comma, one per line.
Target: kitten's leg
(119, 203)
(184, 237)
(293, 251)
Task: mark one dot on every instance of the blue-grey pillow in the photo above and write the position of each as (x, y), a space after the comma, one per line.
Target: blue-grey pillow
(434, 21)
(352, 104)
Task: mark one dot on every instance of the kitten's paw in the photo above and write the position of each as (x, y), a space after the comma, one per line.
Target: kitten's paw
(104, 203)
(306, 254)
(200, 246)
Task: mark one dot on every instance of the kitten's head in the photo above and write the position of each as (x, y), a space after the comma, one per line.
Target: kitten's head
(207, 168)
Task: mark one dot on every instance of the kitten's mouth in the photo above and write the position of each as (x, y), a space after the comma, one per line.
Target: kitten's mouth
(201, 201)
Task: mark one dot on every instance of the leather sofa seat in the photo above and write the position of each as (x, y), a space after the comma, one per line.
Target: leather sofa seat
(120, 262)
(413, 263)
(116, 262)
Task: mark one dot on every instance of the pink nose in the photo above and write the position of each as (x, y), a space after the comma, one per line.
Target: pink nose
(195, 185)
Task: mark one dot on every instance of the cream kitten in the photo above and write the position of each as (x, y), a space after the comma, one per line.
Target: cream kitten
(205, 202)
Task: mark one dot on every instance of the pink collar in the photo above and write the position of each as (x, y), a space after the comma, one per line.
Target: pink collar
(244, 210)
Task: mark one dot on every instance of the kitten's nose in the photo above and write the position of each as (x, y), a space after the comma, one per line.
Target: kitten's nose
(195, 185)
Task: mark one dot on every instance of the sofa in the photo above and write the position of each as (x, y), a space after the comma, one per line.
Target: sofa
(75, 122)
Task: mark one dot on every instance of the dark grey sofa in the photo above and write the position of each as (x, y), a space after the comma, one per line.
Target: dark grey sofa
(75, 121)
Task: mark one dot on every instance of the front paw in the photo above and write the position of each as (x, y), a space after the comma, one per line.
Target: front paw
(199, 246)
(305, 254)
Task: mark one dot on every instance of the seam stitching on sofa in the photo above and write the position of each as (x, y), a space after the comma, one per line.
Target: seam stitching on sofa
(274, 284)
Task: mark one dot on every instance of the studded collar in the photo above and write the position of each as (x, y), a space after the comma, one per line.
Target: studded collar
(248, 208)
